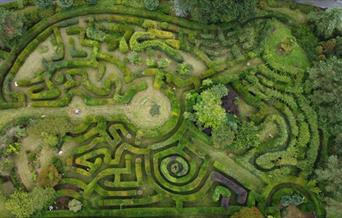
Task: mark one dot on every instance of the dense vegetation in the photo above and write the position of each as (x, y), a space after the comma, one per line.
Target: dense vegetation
(213, 108)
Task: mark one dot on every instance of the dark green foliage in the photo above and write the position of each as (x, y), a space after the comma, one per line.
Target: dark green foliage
(223, 136)
(216, 11)
(23, 205)
(151, 4)
(92, 2)
(11, 27)
(155, 109)
(306, 39)
(246, 137)
(330, 179)
(327, 24)
(65, 3)
(295, 199)
(324, 88)
(43, 3)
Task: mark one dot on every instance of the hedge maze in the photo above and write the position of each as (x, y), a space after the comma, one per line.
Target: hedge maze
(118, 166)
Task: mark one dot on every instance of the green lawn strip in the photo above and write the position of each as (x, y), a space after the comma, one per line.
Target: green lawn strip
(227, 165)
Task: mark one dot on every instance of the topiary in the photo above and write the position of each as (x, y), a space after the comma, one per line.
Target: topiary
(151, 4)
(123, 47)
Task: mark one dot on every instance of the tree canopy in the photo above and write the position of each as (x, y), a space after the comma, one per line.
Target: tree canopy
(23, 204)
(324, 88)
(11, 27)
(208, 110)
(328, 23)
(330, 179)
(216, 11)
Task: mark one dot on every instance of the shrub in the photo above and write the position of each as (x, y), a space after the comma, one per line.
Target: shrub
(75, 205)
(23, 205)
(43, 3)
(155, 109)
(11, 27)
(65, 3)
(49, 177)
(184, 69)
(163, 63)
(247, 137)
(327, 23)
(123, 47)
(223, 136)
(134, 58)
(151, 4)
(208, 110)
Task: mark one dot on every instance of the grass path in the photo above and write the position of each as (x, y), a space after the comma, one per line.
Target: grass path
(229, 166)
(141, 120)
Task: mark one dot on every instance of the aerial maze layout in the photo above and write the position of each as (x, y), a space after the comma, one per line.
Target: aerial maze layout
(122, 160)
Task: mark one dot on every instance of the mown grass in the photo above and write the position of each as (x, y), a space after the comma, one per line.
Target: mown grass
(294, 57)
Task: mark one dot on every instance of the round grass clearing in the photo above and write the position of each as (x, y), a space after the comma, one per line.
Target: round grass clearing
(139, 110)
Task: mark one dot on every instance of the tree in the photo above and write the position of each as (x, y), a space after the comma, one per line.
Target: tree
(23, 204)
(247, 212)
(246, 137)
(151, 4)
(330, 179)
(223, 136)
(20, 204)
(216, 11)
(328, 23)
(75, 205)
(208, 110)
(11, 27)
(43, 3)
(65, 3)
(324, 89)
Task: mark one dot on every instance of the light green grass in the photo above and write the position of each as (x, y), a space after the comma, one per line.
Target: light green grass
(296, 58)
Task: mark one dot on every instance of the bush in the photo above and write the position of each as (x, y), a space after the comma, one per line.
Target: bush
(327, 24)
(75, 205)
(151, 4)
(208, 111)
(184, 69)
(123, 47)
(43, 3)
(23, 205)
(65, 3)
(11, 27)
(49, 177)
